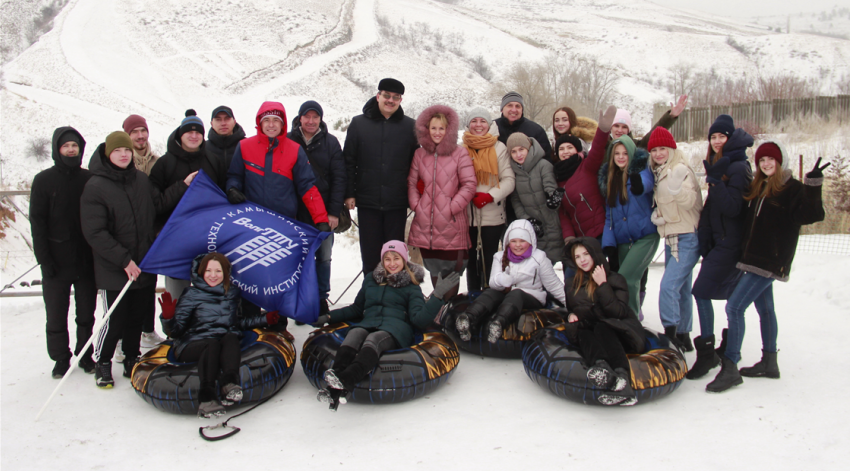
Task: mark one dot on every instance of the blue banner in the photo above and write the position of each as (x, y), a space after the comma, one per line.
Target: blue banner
(273, 256)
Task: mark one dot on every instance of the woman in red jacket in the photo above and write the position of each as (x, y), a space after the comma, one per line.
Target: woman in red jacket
(440, 227)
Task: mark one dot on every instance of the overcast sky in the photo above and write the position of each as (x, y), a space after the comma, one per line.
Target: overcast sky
(751, 8)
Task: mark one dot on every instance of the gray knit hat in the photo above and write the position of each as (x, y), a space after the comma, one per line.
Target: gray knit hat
(477, 112)
(511, 96)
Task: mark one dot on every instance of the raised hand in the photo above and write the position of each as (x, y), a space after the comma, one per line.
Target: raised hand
(606, 120)
(599, 275)
(817, 171)
(679, 107)
(167, 305)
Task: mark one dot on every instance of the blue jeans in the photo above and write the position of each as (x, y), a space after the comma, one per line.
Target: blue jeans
(751, 289)
(323, 267)
(675, 302)
(706, 316)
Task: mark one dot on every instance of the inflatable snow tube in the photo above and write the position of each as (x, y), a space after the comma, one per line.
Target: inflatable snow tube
(401, 375)
(267, 363)
(513, 338)
(557, 366)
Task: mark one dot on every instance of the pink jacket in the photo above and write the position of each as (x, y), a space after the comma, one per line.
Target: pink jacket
(440, 222)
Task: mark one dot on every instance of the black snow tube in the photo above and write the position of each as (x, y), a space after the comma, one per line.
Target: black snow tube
(557, 366)
(401, 375)
(514, 337)
(267, 363)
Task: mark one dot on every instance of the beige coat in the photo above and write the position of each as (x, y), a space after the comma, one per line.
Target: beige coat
(680, 211)
(493, 214)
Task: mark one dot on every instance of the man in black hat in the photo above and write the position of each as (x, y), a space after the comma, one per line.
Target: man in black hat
(62, 251)
(223, 135)
(378, 150)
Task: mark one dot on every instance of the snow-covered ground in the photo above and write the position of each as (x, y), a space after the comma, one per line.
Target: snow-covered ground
(488, 416)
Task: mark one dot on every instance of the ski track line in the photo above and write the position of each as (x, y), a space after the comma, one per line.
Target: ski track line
(364, 33)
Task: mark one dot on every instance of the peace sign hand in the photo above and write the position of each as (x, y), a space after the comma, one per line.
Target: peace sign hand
(817, 171)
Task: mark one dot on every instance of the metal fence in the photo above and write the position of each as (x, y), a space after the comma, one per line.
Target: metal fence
(693, 123)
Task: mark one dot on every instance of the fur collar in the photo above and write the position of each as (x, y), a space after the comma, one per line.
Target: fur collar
(423, 134)
(637, 164)
(400, 279)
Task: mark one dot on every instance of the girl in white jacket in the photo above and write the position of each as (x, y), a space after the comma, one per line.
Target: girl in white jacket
(521, 276)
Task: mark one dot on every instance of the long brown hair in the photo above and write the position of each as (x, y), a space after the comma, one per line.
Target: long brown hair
(763, 186)
(572, 117)
(225, 267)
(617, 178)
(578, 279)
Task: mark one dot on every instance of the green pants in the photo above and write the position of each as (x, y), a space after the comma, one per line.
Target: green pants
(634, 259)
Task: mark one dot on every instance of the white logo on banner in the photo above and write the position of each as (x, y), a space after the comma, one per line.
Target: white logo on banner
(269, 247)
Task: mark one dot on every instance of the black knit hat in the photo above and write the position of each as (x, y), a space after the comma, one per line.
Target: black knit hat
(222, 109)
(391, 85)
(68, 136)
(311, 105)
(723, 124)
(576, 142)
(190, 123)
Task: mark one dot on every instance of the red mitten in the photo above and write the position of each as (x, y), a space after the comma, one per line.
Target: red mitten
(482, 199)
(420, 185)
(167, 304)
(272, 317)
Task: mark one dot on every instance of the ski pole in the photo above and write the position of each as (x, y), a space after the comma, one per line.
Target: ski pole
(18, 278)
(76, 359)
(346, 289)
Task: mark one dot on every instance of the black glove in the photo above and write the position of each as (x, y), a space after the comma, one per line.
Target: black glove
(323, 227)
(48, 270)
(637, 184)
(554, 200)
(321, 321)
(817, 172)
(537, 226)
(714, 173)
(235, 196)
(613, 258)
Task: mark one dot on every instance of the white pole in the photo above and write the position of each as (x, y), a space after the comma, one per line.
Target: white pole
(76, 360)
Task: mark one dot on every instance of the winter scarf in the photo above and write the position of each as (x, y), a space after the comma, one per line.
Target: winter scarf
(400, 279)
(144, 162)
(482, 149)
(514, 258)
(564, 169)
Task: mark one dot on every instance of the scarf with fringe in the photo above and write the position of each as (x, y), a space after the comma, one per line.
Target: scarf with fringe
(482, 149)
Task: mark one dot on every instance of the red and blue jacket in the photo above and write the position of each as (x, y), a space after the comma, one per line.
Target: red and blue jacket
(275, 172)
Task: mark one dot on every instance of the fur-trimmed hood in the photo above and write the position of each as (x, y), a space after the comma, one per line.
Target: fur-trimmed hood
(423, 134)
(399, 279)
(584, 129)
(637, 163)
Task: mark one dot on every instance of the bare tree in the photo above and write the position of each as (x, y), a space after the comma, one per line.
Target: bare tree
(681, 79)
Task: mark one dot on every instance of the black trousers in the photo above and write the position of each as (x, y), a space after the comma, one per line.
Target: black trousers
(214, 356)
(476, 277)
(602, 343)
(376, 228)
(56, 294)
(125, 323)
(507, 306)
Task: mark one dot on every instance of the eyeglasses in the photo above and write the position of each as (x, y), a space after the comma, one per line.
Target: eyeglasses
(391, 96)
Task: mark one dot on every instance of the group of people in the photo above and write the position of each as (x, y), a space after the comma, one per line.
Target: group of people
(592, 198)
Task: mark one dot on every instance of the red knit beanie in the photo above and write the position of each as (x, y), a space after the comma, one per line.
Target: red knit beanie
(769, 149)
(135, 121)
(661, 137)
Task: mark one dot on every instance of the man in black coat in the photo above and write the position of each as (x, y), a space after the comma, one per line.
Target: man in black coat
(513, 120)
(118, 208)
(62, 251)
(325, 156)
(223, 136)
(378, 150)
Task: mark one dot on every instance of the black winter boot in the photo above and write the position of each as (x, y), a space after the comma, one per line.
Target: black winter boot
(706, 357)
(347, 379)
(601, 375)
(670, 333)
(766, 367)
(344, 357)
(103, 375)
(495, 328)
(621, 392)
(721, 349)
(727, 378)
(469, 320)
(129, 363)
(685, 340)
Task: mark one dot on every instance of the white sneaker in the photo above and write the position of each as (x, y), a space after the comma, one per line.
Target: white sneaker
(151, 339)
(119, 353)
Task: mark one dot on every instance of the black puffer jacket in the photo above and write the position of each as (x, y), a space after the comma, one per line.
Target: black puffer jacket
(378, 152)
(221, 148)
(525, 126)
(57, 236)
(325, 156)
(118, 208)
(610, 303)
(173, 167)
(205, 312)
(721, 222)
